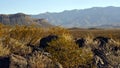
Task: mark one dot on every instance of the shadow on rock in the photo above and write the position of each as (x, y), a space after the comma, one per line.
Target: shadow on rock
(80, 42)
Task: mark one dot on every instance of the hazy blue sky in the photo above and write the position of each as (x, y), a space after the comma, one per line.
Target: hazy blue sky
(41, 6)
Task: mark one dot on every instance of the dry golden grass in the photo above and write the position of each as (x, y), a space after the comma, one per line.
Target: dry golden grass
(38, 60)
(111, 33)
(27, 34)
(58, 31)
(17, 38)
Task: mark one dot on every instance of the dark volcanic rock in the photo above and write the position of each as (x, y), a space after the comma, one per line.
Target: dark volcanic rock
(100, 59)
(4, 62)
(102, 40)
(106, 54)
(44, 41)
(80, 42)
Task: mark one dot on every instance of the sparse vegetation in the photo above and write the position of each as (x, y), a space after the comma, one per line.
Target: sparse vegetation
(19, 39)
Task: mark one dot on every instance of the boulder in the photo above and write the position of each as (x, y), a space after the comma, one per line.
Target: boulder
(44, 41)
(100, 59)
(4, 62)
(80, 42)
(101, 40)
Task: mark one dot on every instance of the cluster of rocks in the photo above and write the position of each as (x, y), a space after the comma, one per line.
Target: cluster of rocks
(100, 52)
(101, 57)
(23, 61)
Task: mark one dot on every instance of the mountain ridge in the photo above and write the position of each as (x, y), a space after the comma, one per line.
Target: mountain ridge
(91, 17)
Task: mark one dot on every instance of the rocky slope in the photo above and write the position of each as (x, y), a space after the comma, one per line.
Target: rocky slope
(22, 19)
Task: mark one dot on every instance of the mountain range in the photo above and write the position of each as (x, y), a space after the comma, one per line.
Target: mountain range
(101, 17)
(91, 17)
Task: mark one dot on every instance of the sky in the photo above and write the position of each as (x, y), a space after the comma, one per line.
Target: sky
(42, 6)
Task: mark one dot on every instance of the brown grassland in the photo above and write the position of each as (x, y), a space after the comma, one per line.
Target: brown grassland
(111, 33)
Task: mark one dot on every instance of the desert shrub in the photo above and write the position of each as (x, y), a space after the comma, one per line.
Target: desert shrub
(4, 30)
(38, 60)
(1, 31)
(15, 46)
(4, 51)
(65, 51)
(89, 39)
(16, 38)
(27, 34)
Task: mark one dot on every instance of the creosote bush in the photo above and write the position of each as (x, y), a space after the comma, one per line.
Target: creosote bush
(65, 51)
(15, 46)
(16, 38)
(27, 34)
